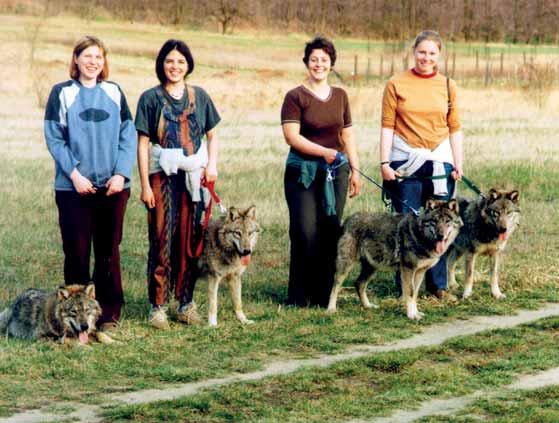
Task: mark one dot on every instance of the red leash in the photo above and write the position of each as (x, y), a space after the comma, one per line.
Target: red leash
(207, 215)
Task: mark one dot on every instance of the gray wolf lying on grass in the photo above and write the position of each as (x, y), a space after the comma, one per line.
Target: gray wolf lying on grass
(409, 243)
(70, 312)
(229, 244)
(489, 222)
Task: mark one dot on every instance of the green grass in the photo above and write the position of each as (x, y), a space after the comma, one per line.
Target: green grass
(372, 386)
(513, 148)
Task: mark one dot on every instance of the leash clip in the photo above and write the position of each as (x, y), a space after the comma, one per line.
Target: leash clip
(222, 208)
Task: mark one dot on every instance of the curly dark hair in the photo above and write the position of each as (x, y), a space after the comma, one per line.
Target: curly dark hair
(169, 46)
(320, 43)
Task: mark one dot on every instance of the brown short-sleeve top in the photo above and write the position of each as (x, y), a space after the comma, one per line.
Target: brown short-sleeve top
(321, 121)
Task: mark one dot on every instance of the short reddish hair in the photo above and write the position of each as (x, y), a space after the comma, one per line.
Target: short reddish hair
(80, 46)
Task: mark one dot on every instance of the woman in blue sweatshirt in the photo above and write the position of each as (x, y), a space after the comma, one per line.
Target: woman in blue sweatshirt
(91, 136)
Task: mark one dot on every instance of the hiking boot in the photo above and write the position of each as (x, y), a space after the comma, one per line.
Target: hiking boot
(444, 295)
(188, 313)
(158, 318)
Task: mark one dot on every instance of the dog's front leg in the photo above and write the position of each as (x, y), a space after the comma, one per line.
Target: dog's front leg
(468, 286)
(235, 288)
(407, 276)
(213, 285)
(495, 290)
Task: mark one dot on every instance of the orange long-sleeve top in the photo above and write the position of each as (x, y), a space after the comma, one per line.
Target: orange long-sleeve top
(416, 108)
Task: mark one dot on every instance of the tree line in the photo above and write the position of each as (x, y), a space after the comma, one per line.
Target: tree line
(514, 21)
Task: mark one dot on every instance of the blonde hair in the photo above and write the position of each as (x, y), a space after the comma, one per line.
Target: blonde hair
(428, 35)
(80, 46)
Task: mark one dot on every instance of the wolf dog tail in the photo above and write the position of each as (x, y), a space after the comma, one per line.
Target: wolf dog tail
(4, 319)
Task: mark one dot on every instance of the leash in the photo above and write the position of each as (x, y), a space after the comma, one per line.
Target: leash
(199, 245)
(385, 191)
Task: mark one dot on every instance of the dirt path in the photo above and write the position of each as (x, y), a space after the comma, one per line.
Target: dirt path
(450, 406)
(431, 336)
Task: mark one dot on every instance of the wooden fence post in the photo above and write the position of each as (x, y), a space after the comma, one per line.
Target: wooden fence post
(501, 66)
(355, 58)
(477, 61)
(381, 66)
(368, 69)
(453, 64)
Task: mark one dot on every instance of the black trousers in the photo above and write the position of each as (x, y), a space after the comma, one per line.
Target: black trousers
(314, 236)
(99, 219)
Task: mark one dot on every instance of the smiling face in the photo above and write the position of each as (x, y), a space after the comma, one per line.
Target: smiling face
(175, 67)
(426, 55)
(319, 65)
(90, 63)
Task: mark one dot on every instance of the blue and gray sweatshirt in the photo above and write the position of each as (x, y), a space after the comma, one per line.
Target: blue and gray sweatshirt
(90, 129)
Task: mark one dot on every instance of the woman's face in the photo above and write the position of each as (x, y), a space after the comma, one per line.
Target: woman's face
(426, 55)
(319, 65)
(175, 67)
(90, 63)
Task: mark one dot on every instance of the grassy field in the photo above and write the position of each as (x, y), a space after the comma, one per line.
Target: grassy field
(509, 143)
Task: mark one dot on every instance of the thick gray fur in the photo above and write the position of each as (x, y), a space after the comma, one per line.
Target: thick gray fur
(228, 246)
(36, 314)
(489, 221)
(391, 242)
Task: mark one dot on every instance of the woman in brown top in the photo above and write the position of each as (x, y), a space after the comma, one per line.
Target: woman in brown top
(316, 123)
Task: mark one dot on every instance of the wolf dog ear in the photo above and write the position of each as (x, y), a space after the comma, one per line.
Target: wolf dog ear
(232, 214)
(251, 212)
(453, 206)
(493, 194)
(63, 293)
(513, 196)
(431, 204)
(90, 290)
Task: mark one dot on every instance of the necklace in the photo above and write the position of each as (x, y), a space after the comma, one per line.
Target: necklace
(176, 93)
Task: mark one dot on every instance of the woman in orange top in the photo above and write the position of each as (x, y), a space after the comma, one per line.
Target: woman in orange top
(421, 138)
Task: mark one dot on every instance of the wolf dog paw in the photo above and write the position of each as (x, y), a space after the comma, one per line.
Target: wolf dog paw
(370, 306)
(331, 310)
(498, 295)
(243, 319)
(467, 294)
(212, 321)
(453, 286)
(413, 313)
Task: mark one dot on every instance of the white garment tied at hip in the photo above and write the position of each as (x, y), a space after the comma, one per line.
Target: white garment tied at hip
(416, 157)
(171, 160)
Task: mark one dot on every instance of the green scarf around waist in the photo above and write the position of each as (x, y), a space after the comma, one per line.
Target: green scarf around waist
(307, 174)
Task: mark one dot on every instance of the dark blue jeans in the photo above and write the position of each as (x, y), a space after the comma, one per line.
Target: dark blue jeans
(416, 192)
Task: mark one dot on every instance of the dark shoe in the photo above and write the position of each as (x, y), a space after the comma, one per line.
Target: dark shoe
(444, 295)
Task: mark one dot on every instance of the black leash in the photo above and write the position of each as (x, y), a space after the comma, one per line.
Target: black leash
(392, 196)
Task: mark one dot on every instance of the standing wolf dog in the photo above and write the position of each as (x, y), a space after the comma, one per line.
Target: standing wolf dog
(71, 311)
(229, 244)
(488, 223)
(412, 244)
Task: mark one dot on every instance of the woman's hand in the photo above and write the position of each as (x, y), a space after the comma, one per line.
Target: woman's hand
(147, 197)
(388, 174)
(115, 184)
(329, 155)
(82, 185)
(457, 173)
(354, 184)
(210, 173)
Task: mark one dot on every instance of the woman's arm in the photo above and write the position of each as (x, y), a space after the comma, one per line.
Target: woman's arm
(348, 138)
(211, 169)
(294, 139)
(456, 144)
(386, 138)
(143, 168)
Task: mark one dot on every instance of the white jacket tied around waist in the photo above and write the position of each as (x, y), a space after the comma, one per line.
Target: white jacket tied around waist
(416, 157)
(171, 160)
